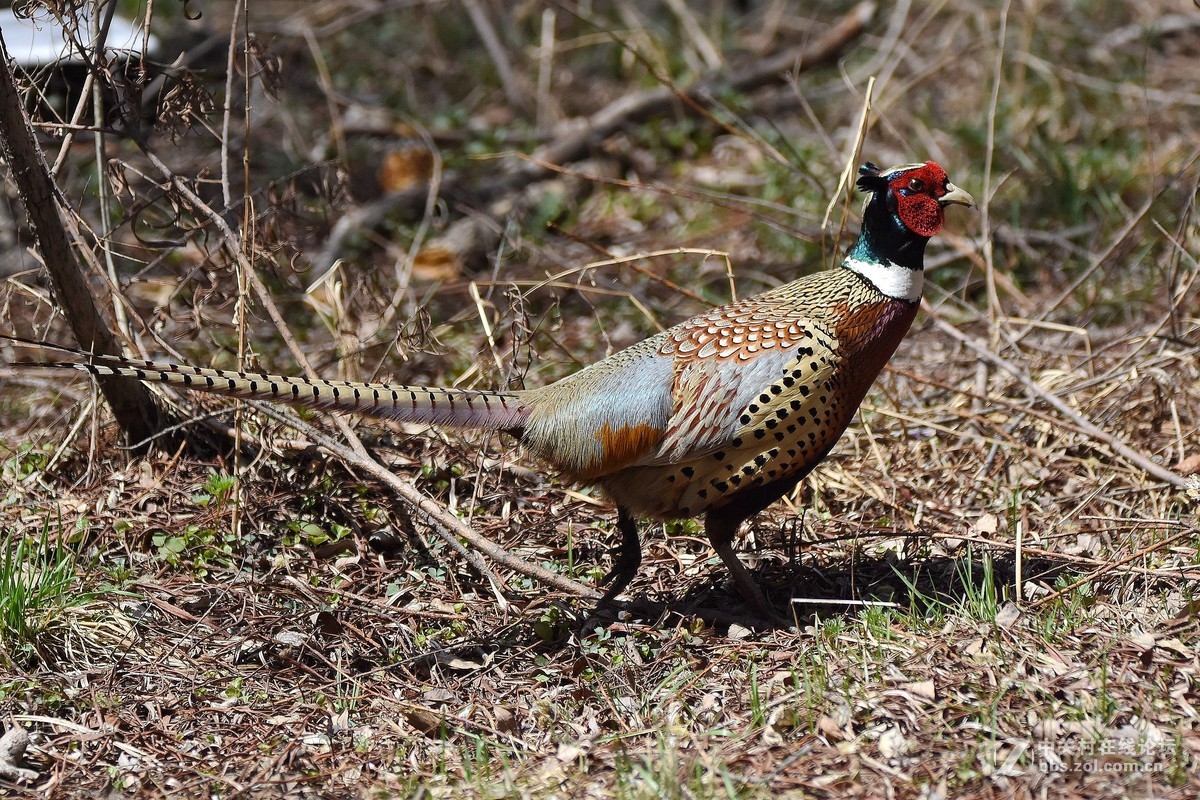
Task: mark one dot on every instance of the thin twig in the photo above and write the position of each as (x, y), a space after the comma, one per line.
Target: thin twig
(496, 52)
(989, 262)
(227, 110)
(99, 32)
(1095, 432)
(1157, 546)
(440, 518)
(850, 163)
(545, 70)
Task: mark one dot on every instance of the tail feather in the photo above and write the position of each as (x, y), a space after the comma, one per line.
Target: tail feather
(457, 408)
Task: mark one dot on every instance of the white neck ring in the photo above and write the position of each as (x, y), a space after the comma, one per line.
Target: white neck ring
(891, 279)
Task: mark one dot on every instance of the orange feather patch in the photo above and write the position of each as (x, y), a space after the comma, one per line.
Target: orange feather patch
(623, 446)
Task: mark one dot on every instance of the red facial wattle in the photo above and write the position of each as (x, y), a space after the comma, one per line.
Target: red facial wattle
(921, 214)
(916, 192)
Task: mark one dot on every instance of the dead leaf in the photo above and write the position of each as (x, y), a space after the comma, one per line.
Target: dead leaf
(318, 740)
(1052, 661)
(465, 661)
(1142, 641)
(922, 689)
(892, 743)
(13, 745)
(737, 631)
(506, 722)
(424, 721)
(436, 263)
(1193, 487)
(328, 624)
(772, 737)
(1177, 646)
(569, 752)
(1007, 616)
(291, 638)
(1189, 465)
(987, 524)
(828, 726)
(405, 167)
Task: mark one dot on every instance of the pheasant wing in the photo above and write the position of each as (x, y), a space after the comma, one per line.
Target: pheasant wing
(739, 373)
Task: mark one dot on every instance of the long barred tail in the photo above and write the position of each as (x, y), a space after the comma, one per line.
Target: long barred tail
(457, 408)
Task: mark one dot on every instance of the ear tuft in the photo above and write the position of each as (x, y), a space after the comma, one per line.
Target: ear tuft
(869, 179)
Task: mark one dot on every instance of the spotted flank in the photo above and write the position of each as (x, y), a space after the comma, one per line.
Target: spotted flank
(780, 432)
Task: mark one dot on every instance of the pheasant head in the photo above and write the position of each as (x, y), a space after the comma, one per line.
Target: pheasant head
(906, 205)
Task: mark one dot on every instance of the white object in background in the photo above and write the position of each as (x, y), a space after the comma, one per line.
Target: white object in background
(40, 41)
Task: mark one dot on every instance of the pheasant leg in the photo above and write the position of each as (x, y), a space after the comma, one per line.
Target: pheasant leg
(629, 557)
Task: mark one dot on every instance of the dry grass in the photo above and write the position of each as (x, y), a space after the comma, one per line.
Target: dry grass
(994, 602)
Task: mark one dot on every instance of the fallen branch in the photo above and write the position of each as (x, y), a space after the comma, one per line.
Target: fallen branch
(1089, 428)
(573, 139)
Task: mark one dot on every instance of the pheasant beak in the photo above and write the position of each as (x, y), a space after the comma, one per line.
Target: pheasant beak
(956, 196)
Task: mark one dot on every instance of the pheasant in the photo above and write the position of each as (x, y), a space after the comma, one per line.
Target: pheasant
(721, 415)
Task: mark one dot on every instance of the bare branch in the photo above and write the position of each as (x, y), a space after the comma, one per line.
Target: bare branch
(132, 404)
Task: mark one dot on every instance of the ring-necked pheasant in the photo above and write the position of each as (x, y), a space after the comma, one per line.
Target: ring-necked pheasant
(721, 415)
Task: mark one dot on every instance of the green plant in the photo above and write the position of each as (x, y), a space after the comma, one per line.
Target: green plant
(28, 460)
(215, 491)
(551, 626)
(200, 545)
(758, 714)
(36, 575)
(313, 534)
(980, 597)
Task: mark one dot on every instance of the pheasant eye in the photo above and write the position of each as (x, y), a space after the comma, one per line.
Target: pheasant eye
(916, 185)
